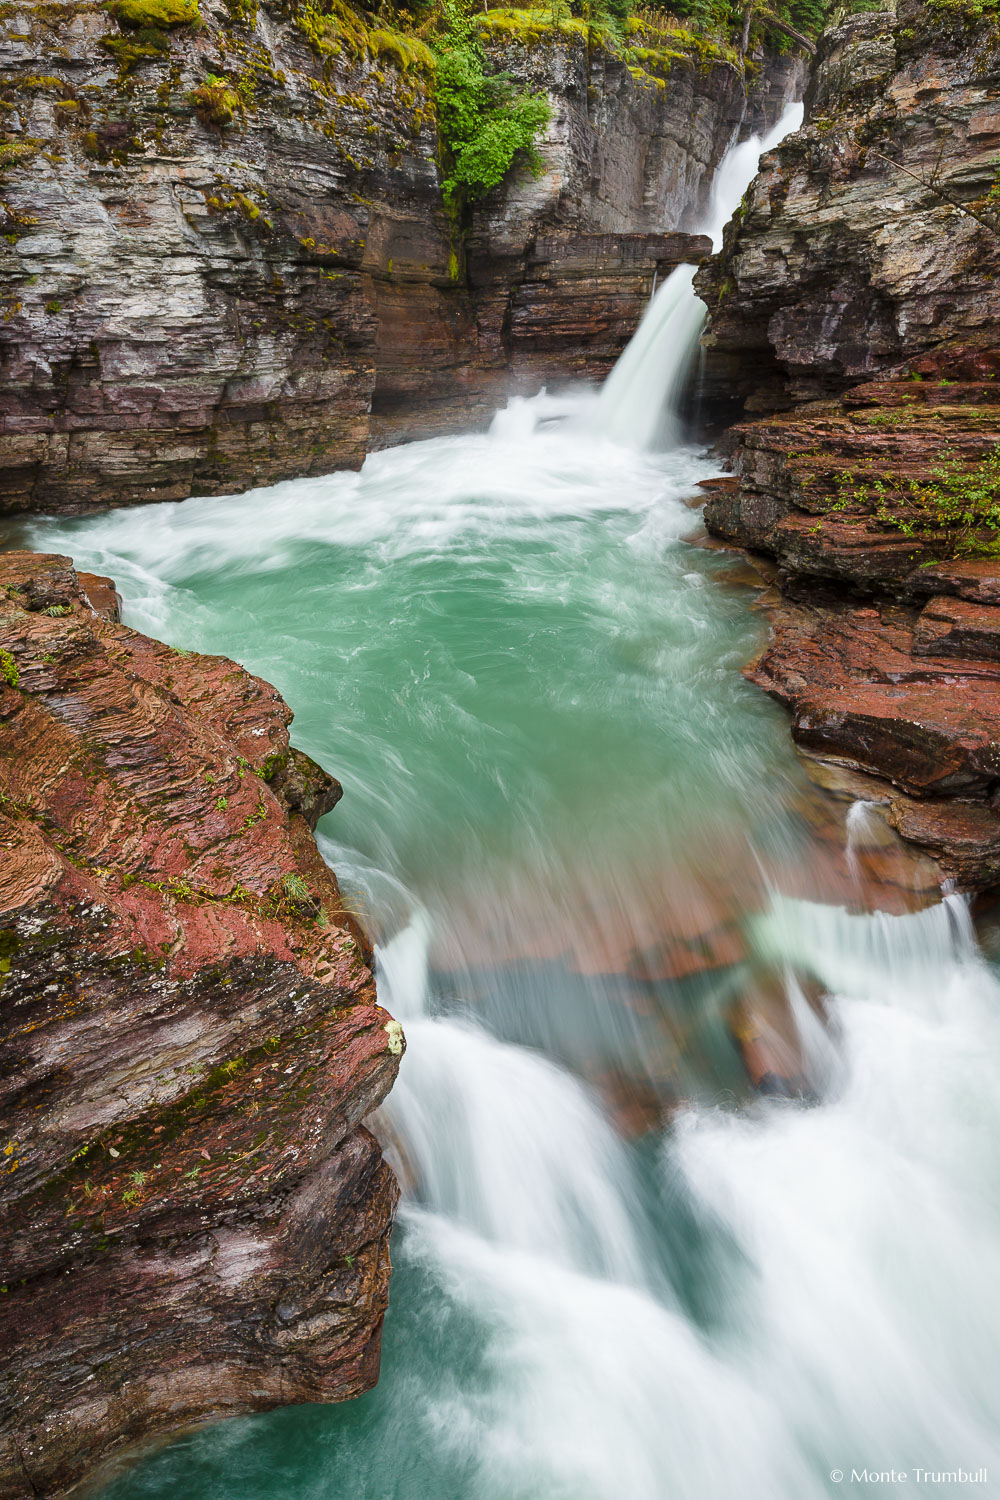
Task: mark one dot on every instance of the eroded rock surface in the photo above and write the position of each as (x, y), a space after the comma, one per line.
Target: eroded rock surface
(858, 294)
(196, 304)
(196, 1220)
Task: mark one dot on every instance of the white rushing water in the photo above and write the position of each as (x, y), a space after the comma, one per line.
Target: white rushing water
(852, 1342)
(767, 1295)
(638, 403)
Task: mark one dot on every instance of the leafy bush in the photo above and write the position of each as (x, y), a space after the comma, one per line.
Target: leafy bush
(483, 122)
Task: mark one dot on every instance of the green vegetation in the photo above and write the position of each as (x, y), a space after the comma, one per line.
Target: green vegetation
(970, 9)
(485, 124)
(162, 15)
(216, 101)
(15, 153)
(957, 506)
(488, 124)
(8, 669)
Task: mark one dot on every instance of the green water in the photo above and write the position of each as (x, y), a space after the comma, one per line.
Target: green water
(530, 687)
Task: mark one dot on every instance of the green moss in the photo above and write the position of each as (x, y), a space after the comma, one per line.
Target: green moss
(971, 10)
(331, 28)
(34, 83)
(405, 51)
(8, 669)
(16, 153)
(161, 14)
(235, 202)
(216, 101)
(272, 765)
(129, 52)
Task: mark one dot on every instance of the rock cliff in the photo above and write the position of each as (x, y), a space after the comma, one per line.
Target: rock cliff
(196, 1219)
(856, 299)
(225, 258)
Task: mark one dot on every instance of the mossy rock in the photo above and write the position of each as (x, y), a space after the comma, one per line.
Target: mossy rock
(161, 14)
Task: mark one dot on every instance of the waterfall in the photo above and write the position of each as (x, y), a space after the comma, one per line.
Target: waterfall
(638, 405)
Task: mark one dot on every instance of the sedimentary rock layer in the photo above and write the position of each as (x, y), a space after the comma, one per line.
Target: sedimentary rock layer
(196, 1220)
(869, 238)
(858, 293)
(190, 304)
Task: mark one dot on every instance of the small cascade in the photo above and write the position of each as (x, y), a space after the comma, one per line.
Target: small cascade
(638, 405)
(508, 1145)
(864, 828)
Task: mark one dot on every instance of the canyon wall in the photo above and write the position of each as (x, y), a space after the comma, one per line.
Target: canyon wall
(190, 304)
(856, 303)
(196, 1220)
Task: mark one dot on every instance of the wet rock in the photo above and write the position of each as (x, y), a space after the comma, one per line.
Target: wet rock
(196, 307)
(862, 243)
(102, 596)
(192, 1044)
(956, 627)
(857, 695)
(858, 294)
(765, 1034)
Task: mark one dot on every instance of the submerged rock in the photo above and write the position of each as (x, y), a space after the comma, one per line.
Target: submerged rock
(196, 1218)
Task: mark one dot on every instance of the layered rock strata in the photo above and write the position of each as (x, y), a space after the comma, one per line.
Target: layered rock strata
(202, 291)
(560, 308)
(857, 293)
(196, 1219)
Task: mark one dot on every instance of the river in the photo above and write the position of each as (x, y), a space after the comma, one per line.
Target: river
(592, 864)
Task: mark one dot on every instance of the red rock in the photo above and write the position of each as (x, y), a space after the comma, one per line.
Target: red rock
(870, 357)
(196, 1218)
(101, 594)
(859, 697)
(975, 578)
(958, 628)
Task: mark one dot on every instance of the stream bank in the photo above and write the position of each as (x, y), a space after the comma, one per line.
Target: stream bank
(855, 307)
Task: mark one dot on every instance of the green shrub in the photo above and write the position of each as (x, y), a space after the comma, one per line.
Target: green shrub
(484, 123)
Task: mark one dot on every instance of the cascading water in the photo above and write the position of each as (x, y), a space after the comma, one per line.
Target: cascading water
(577, 833)
(639, 401)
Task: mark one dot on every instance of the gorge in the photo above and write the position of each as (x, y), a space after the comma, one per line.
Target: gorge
(696, 1123)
